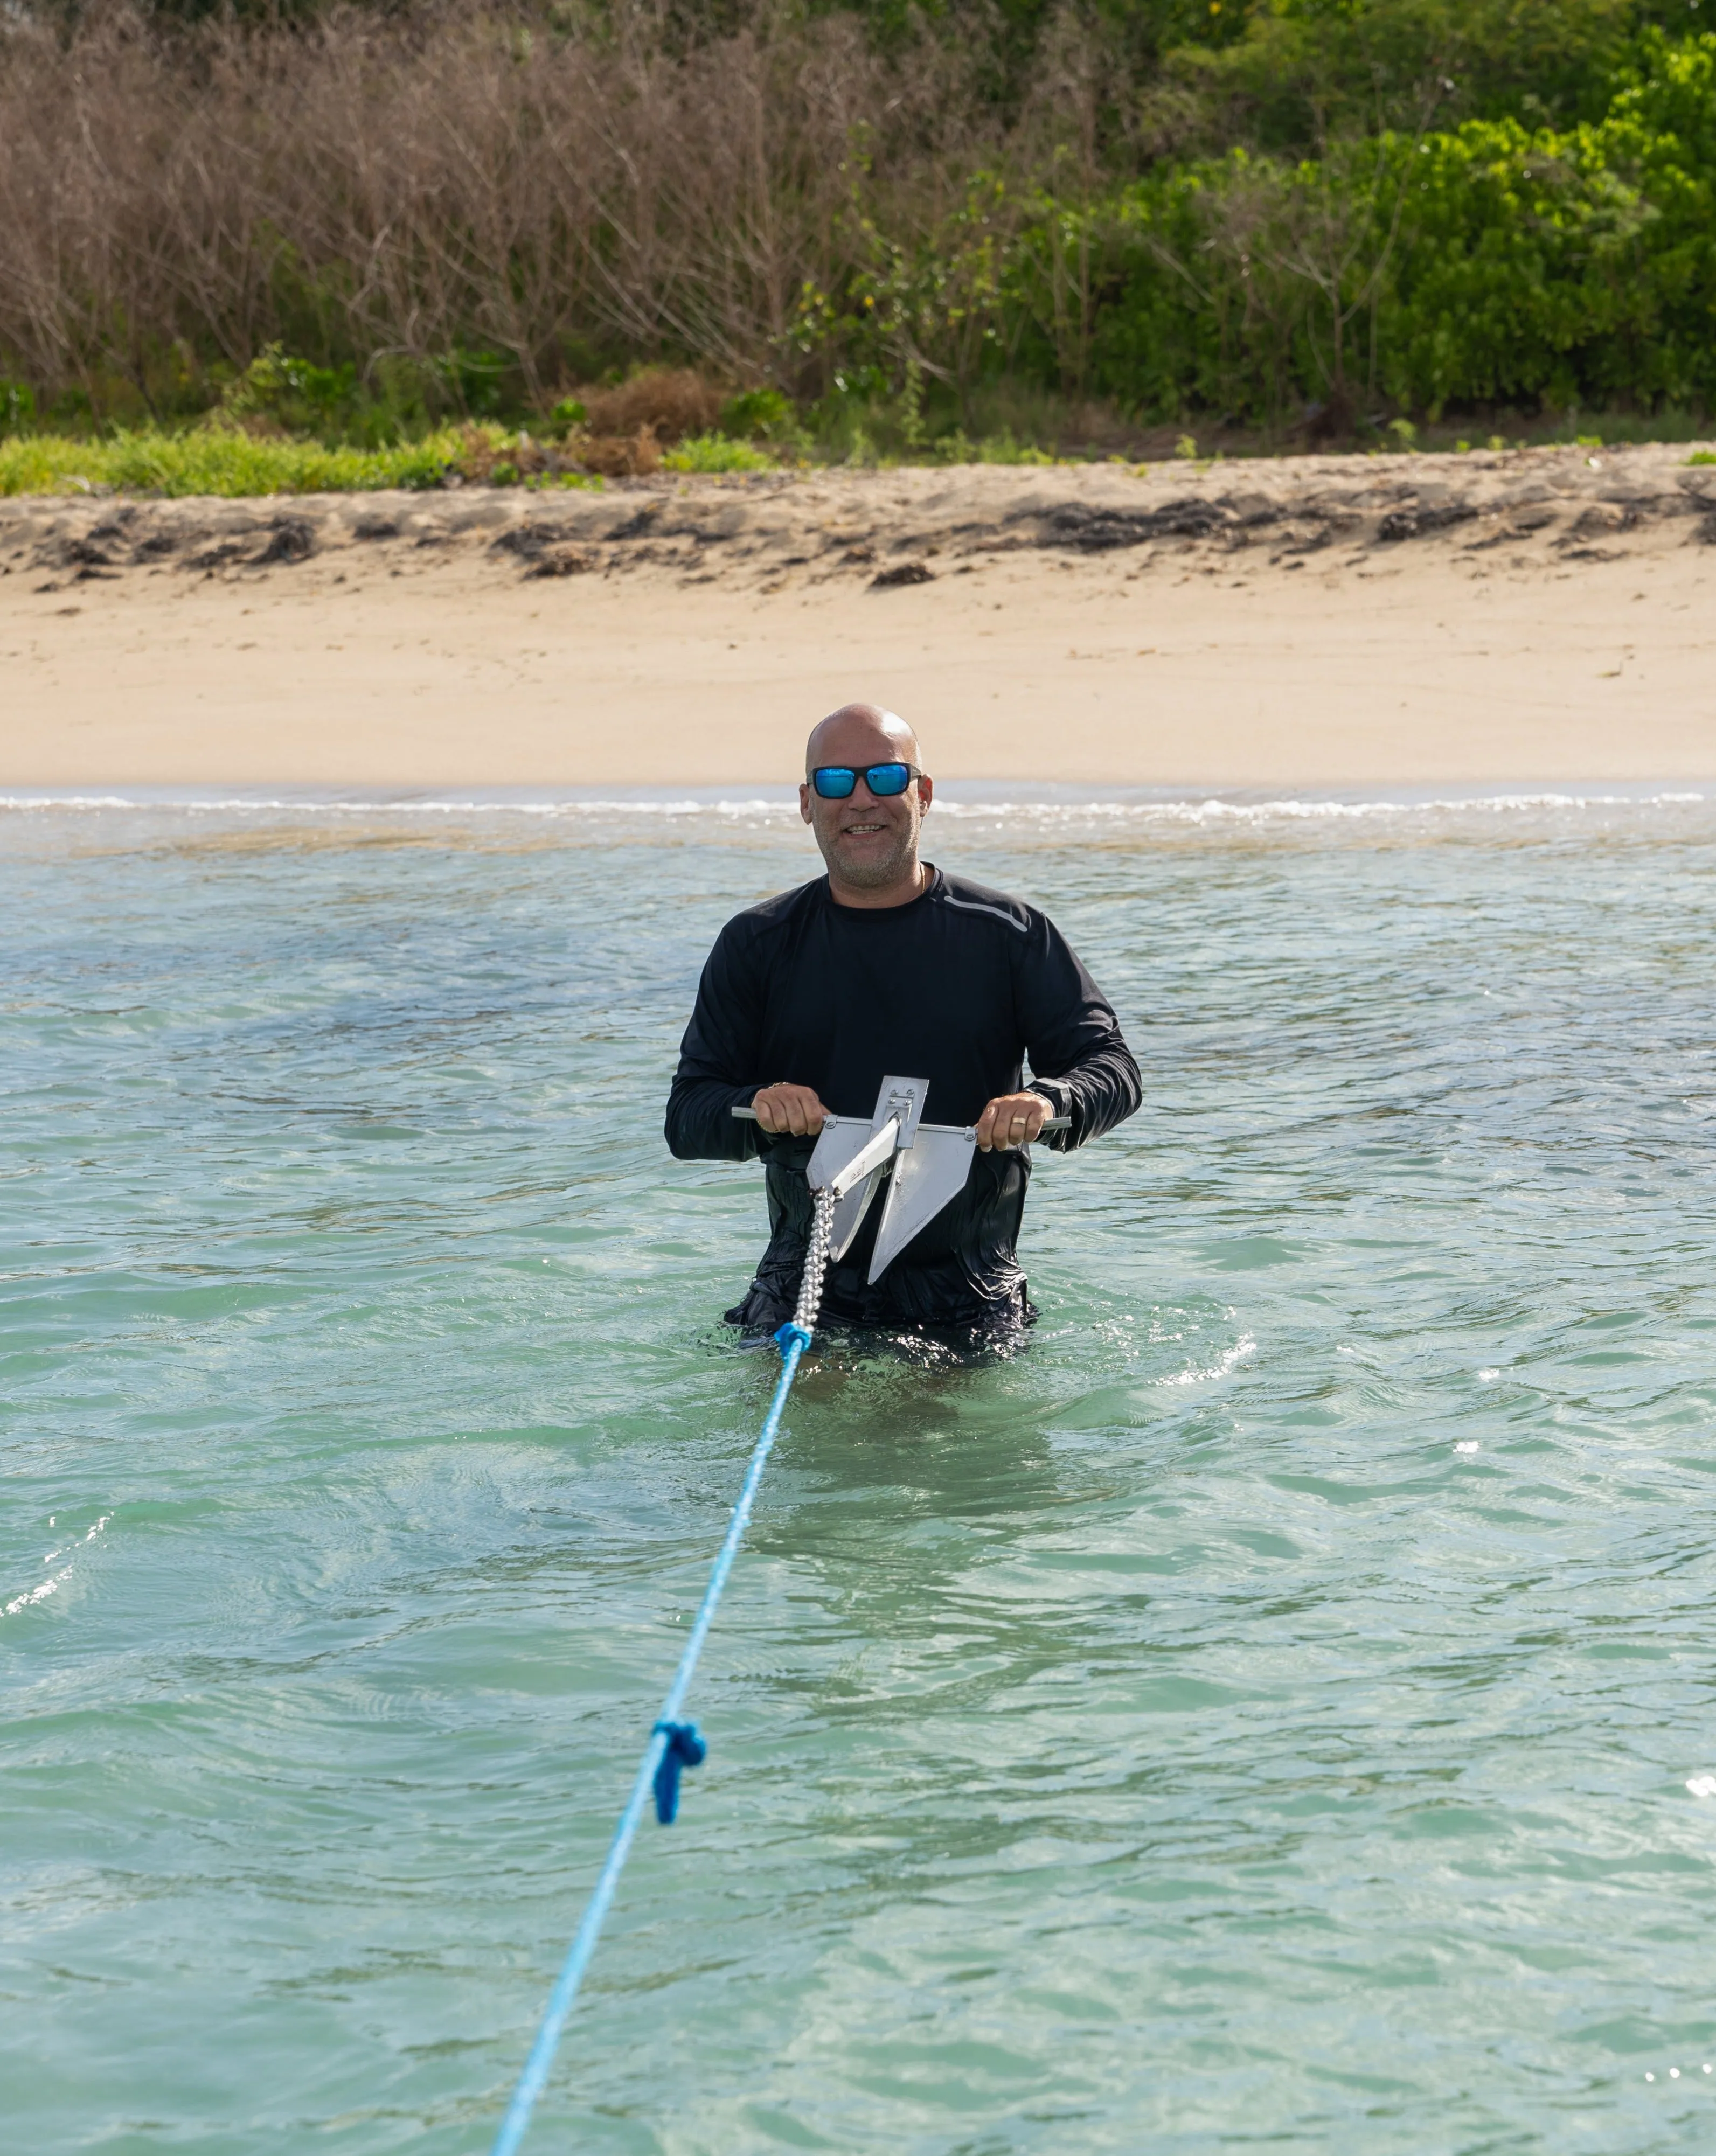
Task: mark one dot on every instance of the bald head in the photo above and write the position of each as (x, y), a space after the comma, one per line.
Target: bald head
(869, 841)
(861, 734)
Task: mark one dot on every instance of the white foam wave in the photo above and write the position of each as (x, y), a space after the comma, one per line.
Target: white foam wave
(55, 1581)
(286, 805)
(1113, 810)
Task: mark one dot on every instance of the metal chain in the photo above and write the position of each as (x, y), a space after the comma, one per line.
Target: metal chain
(815, 1260)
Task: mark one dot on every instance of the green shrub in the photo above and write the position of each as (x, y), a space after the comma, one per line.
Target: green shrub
(1488, 264)
(293, 394)
(757, 415)
(716, 453)
(1003, 448)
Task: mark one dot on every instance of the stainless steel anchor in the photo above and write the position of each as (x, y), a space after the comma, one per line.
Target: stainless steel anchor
(924, 1165)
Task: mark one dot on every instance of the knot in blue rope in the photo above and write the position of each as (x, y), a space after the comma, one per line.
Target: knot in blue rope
(789, 1332)
(684, 1748)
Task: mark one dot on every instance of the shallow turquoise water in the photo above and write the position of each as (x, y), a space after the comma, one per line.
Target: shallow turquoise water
(1260, 1715)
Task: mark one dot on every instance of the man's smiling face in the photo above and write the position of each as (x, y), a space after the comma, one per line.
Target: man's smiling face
(869, 841)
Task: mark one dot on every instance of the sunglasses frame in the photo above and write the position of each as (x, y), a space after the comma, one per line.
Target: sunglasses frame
(863, 771)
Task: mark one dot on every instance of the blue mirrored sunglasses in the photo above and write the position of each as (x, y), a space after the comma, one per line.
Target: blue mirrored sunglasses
(834, 782)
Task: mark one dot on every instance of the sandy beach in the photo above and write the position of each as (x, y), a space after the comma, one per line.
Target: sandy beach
(1336, 622)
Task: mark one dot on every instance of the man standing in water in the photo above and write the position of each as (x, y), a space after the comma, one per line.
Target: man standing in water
(888, 965)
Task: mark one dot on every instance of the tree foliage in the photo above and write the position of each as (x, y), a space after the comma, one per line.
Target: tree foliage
(1332, 208)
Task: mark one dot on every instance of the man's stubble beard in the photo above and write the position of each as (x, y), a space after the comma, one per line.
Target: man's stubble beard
(877, 875)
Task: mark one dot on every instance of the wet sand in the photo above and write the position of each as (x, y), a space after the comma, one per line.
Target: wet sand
(1486, 621)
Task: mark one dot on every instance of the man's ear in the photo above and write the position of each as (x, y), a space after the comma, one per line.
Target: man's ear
(805, 799)
(926, 792)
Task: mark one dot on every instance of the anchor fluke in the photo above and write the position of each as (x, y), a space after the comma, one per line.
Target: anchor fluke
(924, 1180)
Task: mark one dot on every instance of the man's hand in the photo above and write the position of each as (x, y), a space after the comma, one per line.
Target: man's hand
(1012, 1119)
(789, 1109)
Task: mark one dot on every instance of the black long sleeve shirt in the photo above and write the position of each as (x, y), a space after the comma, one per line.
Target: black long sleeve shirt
(959, 986)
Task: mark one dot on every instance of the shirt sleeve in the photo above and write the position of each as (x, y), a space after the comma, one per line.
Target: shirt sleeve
(1073, 1039)
(717, 1058)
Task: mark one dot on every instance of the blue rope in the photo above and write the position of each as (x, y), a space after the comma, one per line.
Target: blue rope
(673, 1744)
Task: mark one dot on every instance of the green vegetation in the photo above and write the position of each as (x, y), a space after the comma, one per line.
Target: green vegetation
(1487, 266)
(211, 461)
(223, 460)
(715, 453)
(279, 247)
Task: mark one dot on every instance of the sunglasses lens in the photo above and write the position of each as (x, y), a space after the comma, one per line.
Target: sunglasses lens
(834, 782)
(888, 777)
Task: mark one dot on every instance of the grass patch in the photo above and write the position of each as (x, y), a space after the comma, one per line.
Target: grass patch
(225, 460)
(716, 453)
(217, 461)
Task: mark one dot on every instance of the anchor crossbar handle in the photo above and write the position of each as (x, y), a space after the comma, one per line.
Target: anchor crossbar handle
(1053, 1123)
(916, 1168)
